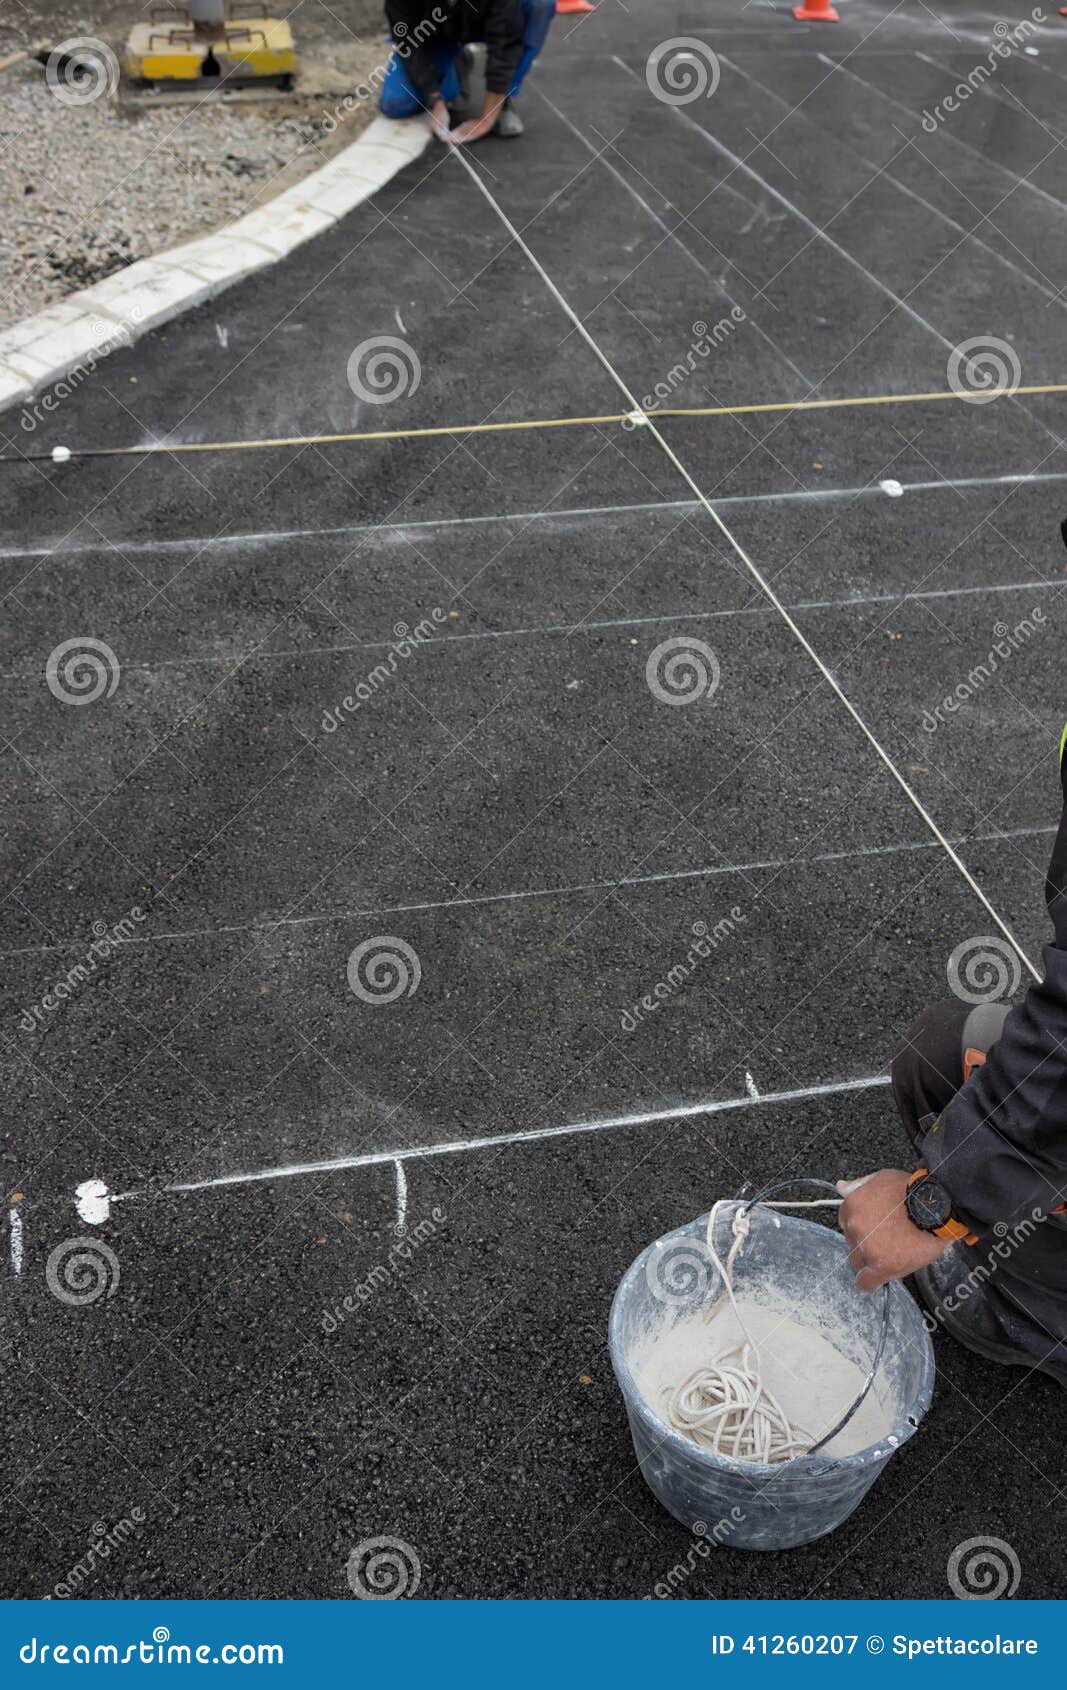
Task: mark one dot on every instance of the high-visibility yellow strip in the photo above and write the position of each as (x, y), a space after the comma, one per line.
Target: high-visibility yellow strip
(533, 423)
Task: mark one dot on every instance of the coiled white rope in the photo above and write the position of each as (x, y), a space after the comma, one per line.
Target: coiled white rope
(724, 1404)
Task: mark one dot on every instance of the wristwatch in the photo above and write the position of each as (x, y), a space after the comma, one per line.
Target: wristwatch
(929, 1207)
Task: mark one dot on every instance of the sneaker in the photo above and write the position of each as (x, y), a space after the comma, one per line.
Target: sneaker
(509, 124)
(960, 1291)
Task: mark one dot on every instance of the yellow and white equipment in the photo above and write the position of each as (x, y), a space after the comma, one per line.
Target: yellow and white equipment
(216, 40)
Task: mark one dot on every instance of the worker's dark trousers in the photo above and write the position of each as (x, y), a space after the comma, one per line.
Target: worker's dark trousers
(1022, 1280)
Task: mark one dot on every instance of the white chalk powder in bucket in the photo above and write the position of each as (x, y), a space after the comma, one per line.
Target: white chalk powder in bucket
(802, 1372)
(753, 1382)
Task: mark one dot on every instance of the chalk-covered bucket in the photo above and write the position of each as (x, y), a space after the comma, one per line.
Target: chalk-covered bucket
(793, 1264)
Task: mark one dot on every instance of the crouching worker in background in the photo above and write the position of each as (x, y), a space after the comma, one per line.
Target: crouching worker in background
(431, 61)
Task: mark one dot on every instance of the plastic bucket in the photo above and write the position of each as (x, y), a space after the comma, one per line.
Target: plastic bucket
(803, 1266)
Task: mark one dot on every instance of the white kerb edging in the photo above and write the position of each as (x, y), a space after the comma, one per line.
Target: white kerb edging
(85, 327)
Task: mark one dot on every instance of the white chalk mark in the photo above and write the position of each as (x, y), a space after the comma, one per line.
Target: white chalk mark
(399, 320)
(223, 334)
(396, 533)
(893, 488)
(547, 630)
(15, 1221)
(954, 140)
(883, 171)
(751, 1087)
(401, 1195)
(536, 1135)
(92, 1199)
(707, 873)
(727, 533)
(802, 217)
(759, 213)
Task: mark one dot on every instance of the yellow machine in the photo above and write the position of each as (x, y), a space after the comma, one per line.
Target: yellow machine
(220, 40)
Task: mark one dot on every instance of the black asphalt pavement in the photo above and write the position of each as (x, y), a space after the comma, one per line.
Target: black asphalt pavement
(510, 808)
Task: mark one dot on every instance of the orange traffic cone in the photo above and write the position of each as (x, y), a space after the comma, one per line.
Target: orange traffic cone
(813, 11)
(565, 6)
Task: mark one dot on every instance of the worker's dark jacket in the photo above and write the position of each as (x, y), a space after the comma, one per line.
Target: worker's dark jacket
(420, 25)
(1000, 1146)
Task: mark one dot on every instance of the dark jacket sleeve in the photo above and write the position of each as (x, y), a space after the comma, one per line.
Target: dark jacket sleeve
(412, 31)
(1000, 1146)
(503, 44)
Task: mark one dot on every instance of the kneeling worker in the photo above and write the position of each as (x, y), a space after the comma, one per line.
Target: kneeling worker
(430, 64)
(982, 1221)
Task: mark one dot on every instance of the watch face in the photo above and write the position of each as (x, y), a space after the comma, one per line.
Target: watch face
(928, 1203)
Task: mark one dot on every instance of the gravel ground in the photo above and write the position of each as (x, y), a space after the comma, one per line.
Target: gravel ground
(89, 188)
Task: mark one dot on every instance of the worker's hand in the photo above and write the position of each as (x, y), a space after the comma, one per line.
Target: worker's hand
(481, 125)
(440, 122)
(475, 130)
(883, 1242)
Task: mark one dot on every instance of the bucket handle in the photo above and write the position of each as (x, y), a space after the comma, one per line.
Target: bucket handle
(824, 1185)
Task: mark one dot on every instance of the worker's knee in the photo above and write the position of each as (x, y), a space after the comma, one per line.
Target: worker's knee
(398, 102)
(397, 98)
(926, 1069)
(932, 1041)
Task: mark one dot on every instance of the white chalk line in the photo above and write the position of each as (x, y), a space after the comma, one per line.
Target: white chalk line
(428, 906)
(401, 1197)
(15, 1223)
(727, 533)
(884, 173)
(391, 532)
(152, 665)
(555, 629)
(535, 1135)
(957, 141)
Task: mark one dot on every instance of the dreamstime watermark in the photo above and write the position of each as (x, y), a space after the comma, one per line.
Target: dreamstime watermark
(704, 1538)
(405, 41)
(107, 941)
(81, 670)
(705, 341)
(983, 1569)
(1009, 38)
(706, 941)
(679, 1271)
(103, 1541)
(81, 1271)
(405, 643)
(408, 1241)
(1008, 1239)
(383, 1569)
(682, 670)
(984, 969)
(111, 337)
(383, 368)
(157, 1651)
(1006, 642)
(81, 70)
(982, 369)
(682, 70)
(384, 968)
